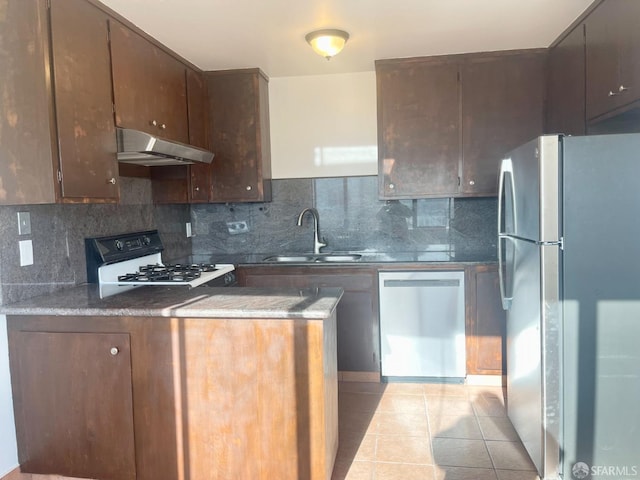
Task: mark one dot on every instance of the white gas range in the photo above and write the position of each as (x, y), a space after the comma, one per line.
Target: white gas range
(119, 263)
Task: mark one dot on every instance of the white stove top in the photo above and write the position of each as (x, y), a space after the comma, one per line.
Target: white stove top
(110, 283)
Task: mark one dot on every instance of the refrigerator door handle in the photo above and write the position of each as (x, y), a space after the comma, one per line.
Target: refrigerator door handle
(506, 301)
(506, 169)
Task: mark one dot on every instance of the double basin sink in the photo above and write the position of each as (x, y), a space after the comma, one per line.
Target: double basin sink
(314, 258)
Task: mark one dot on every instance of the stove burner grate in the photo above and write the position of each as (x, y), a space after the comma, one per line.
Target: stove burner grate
(168, 273)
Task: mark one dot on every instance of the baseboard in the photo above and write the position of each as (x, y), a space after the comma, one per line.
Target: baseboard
(348, 376)
(486, 380)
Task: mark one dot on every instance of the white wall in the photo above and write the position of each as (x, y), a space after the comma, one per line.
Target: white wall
(323, 125)
(8, 448)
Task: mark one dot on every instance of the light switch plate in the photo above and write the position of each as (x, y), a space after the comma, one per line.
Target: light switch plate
(24, 223)
(26, 252)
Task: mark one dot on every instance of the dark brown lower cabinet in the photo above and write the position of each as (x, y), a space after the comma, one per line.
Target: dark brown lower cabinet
(74, 394)
(486, 322)
(357, 312)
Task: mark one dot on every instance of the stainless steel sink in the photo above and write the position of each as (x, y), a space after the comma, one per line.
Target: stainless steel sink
(320, 258)
(291, 258)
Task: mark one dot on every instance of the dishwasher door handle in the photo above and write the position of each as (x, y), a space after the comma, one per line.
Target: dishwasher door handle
(422, 283)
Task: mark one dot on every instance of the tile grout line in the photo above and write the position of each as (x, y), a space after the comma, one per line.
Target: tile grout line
(484, 440)
(429, 433)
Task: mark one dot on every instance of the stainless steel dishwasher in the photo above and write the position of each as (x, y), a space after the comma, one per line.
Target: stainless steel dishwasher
(422, 324)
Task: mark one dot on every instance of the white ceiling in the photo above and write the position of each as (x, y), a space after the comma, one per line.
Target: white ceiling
(223, 34)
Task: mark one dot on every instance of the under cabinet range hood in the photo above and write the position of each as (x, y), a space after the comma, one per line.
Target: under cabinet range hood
(141, 148)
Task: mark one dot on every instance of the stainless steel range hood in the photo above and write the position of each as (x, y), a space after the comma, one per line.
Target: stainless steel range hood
(140, 148)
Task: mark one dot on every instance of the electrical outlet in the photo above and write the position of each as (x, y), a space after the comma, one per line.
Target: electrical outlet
(188, 230)
(24, 223)
(234, 228)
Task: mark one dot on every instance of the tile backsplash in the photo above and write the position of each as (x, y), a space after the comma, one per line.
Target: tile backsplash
(58, 233)
(351, 219)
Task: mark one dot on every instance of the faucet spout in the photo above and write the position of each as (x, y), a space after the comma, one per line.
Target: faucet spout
(317, 244)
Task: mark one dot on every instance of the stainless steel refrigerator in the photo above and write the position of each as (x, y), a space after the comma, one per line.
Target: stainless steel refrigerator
(569, 253)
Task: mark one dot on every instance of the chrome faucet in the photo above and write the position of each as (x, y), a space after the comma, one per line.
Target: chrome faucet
(317, 244)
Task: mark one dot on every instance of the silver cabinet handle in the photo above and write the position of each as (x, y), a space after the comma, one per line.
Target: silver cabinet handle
(621, 89)
(154, 123)
(114, 351)
(248, 188)
(197, 189)
(112, 181)
(163, 126)
(391, 186)
(472, 182)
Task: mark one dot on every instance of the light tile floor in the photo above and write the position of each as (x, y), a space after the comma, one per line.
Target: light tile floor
(408, 431)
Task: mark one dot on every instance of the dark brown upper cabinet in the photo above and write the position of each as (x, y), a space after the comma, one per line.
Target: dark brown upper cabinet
(198, 106)
(502, 107)
(187, 184)
(84, 104)
(566, 85)
(612, 66)
(418, 127)
(445, 122)
(27, 130)
(149, 86)
(239, 136)
(66, 153)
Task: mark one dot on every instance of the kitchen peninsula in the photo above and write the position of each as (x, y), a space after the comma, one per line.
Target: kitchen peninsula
(175, 383)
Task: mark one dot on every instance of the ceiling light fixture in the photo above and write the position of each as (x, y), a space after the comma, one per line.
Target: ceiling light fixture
(327, 43)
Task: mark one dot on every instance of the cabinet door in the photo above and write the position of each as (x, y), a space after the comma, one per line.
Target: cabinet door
(84, 105)
(629, 31)
(502, 108)
(418, 129)
(169, 184)
(613, 48)
(73, 403)
(566, 85)
(239, 136)
(486, 323)
(197, 101)
(26, 112)
(357, 323)
(149, 86)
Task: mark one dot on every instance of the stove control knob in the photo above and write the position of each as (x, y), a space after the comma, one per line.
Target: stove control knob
(146, 240)
(119, 245)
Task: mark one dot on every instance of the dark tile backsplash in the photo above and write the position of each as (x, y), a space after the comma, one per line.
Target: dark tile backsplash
(351, 219)
(58, 233)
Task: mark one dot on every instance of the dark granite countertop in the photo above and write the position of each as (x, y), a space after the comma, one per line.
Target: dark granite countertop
(368, 258)
(160, 301)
